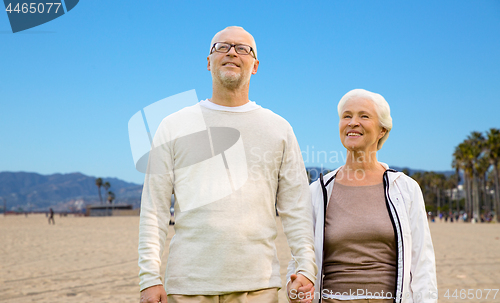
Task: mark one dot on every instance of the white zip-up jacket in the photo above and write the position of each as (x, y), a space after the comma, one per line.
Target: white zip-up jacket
(416, 266)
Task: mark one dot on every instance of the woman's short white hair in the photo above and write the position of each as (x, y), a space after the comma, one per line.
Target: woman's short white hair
(381, 106)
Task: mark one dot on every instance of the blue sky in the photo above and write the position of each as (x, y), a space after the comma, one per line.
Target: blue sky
(69, 87)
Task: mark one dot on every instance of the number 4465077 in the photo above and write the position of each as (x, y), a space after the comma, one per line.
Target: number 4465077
(471, 294)
(32, 8)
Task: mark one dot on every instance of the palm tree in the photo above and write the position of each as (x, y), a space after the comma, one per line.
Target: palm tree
(437, 182)
(476, 143)
(493, 147)
(490, 184)
(424, 180)
(461, 161)
(111, 197)
(106, 186)
(98, 182)
(451, 183)
(456, 182)
(482, 167)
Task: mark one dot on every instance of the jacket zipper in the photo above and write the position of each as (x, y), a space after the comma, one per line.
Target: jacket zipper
(325, 196)
(398, 237)
(325, 204)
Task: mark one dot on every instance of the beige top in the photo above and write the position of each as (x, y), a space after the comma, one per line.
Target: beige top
(360, 247)
(228, 170)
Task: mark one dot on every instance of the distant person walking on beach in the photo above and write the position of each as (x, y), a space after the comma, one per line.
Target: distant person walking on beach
(229, 162)
(372, 238)
(51, 216)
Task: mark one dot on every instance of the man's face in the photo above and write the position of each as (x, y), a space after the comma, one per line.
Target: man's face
(231, 69)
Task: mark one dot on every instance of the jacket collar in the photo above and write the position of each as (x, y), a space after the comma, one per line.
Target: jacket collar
(391, 174)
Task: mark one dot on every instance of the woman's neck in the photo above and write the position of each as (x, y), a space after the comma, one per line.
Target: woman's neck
(361, 168)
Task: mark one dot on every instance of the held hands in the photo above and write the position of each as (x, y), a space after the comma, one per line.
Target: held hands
(154, 294)
(300, 289)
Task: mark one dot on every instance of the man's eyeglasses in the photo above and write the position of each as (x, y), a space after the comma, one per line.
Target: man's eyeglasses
(242, 49)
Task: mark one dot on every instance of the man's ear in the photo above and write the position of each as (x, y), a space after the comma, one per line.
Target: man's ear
(255, 67)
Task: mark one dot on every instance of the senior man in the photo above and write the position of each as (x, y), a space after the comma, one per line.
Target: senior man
(227, 176)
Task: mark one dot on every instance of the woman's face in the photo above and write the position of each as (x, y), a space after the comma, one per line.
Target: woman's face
(359, 126)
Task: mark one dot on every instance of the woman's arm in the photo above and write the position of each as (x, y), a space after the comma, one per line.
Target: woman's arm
(423, 281)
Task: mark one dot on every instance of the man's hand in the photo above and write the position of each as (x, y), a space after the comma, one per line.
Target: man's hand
(300, 289)
(154, 294)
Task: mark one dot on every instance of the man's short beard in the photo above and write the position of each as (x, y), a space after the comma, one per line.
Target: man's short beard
(231, 81)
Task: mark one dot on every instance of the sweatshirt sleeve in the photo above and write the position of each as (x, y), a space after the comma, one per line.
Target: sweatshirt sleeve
(155, 211)
(295, 209)
(423, 265)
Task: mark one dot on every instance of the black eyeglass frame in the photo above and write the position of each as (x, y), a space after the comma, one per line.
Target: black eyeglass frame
(231, 46)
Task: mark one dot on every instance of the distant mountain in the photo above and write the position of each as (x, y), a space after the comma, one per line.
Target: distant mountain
(411, 171)
(36, 192)
(315, 171)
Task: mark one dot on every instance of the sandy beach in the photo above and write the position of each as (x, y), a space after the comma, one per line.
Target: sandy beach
(92, 259)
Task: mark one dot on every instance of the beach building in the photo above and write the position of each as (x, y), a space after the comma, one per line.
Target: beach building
(111, 210)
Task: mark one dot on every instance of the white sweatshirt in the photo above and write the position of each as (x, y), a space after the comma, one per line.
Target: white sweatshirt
(227, 169)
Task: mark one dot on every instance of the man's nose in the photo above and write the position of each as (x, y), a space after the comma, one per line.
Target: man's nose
(232, 51)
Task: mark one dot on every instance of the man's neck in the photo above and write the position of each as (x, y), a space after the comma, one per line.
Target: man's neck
(229, 97)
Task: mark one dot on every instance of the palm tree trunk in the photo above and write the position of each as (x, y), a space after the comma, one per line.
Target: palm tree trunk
(483, 195)
(469, 201)
(438, 199)
(475, 201)
(497, 193)
(487, 199)
(451, 204)
(100, 196)
(468, 198)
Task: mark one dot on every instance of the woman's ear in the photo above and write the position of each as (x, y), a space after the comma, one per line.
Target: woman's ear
(382, 133)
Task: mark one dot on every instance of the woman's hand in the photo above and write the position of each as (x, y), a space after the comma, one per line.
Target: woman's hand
(300, 289)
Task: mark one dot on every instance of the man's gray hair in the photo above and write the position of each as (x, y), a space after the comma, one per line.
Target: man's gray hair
(381, 106)
(253, 45)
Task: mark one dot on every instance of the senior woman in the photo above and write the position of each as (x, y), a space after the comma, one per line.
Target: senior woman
(372, 238)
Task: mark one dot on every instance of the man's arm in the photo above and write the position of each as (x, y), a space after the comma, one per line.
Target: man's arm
(295, 209)
(155, 211)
